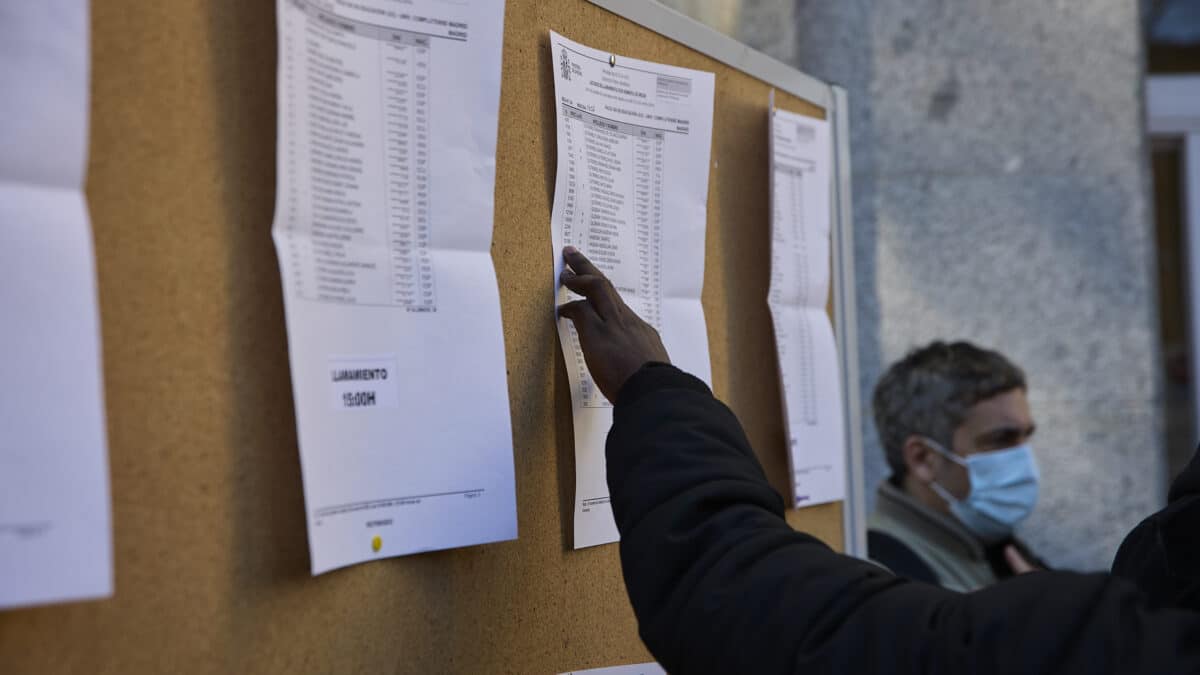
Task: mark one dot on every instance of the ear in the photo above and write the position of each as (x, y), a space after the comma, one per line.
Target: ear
(919, 459)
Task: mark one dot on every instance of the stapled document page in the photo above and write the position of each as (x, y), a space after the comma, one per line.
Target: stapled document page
(800, 277)
(383, 227)
(55, 532)
(631, 193)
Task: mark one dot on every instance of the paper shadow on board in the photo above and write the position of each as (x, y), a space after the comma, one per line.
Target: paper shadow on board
(269, 537)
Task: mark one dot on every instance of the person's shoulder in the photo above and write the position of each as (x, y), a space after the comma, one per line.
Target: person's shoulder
(1162, 555)
(894, 554)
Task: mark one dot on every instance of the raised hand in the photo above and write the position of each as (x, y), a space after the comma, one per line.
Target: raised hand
(616, 342)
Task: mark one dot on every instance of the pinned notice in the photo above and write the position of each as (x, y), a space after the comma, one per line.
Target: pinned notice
(55, 533)
(383, 226)
(633, 148)
(801, 219)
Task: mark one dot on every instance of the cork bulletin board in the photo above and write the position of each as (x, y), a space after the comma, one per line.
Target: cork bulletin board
(209, 528)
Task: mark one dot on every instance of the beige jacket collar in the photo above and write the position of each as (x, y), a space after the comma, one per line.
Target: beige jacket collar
(944, 531)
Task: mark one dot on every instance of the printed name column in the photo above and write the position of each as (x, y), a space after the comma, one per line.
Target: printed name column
(604, 151)
(345, 269)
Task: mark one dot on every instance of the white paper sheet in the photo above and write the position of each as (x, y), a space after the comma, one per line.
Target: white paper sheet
(631, 192)
(635, 669)
(383, 226)
(800, 227)
(55, 533)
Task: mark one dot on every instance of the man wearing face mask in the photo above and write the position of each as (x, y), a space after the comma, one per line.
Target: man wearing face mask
(955, 426)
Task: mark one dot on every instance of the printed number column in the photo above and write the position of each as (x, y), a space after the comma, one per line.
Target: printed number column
(572, 188)
(574, 217)
(779, 277)
(643, 214)
(795, 193)
(293, 214)
(807, 387)
(656, 190)
(398, 127)
(427, 300)
(647, 209)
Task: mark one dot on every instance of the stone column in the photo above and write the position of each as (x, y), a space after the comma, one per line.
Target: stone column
(1000, 196)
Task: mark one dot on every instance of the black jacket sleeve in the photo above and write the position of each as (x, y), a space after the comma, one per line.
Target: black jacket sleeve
(721, 584)
(898, 558)
(1162, 554)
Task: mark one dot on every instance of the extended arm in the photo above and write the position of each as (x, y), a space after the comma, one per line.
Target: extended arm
(721, 584)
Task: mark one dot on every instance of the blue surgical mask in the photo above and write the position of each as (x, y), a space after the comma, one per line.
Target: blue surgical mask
(1004, 490)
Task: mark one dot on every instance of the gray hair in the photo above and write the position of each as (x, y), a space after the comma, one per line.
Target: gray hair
(929, 392)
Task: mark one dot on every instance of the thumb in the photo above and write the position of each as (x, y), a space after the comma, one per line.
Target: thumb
(1016, 561)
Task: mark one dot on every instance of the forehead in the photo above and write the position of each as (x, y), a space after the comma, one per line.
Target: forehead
(1006, 409)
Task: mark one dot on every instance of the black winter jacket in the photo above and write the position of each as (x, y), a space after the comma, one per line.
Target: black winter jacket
(721, 584)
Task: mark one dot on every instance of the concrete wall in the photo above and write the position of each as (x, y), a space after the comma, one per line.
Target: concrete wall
(1000, 196)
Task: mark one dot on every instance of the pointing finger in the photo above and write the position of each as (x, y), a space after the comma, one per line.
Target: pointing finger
(579, 262)
(581, 313)
(597, 289)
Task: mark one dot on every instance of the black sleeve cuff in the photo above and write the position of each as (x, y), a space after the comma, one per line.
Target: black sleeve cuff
(656, 376)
